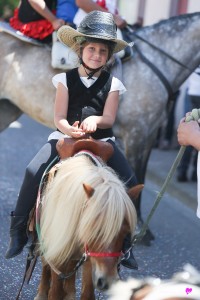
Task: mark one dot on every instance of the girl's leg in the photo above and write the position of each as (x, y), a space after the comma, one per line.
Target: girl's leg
(120, 165)
(34, 171)
(27, 198)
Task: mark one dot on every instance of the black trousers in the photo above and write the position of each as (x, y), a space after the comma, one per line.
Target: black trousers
(35, 169)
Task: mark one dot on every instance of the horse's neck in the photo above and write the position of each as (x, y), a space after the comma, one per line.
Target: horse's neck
(180, 38)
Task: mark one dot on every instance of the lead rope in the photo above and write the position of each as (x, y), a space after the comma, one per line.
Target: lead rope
(194, 116)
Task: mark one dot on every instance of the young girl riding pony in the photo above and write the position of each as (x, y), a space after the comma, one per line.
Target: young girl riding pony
(86, 101)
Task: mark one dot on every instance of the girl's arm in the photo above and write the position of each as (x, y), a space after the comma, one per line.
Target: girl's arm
(60, 113)
(41, 7)
(105, 121)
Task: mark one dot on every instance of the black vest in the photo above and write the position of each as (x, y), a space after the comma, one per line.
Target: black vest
(85, 102)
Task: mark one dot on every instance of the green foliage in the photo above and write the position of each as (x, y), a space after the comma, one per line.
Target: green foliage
(7, 4)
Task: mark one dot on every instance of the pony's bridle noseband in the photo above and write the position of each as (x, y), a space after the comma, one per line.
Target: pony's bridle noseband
(102, 254)
(84, 257)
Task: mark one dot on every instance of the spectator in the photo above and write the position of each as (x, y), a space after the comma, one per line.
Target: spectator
(193, 94)
(188, 134)
(36, 19)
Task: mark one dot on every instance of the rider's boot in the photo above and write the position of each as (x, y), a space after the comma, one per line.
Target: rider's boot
(18, 235)
(128, 260)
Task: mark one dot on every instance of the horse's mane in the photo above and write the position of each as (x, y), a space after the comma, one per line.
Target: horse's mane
(69, 219)
(171, 26)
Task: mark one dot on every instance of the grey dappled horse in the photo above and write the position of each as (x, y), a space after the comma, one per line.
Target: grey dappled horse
(150, 76)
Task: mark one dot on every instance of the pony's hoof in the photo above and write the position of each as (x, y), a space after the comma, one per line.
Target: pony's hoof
(41, 297)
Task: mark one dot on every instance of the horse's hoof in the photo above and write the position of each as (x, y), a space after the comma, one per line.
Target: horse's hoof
(148, 236)
(147, 239)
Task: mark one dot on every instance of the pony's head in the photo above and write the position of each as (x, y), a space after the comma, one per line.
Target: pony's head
(85, 205)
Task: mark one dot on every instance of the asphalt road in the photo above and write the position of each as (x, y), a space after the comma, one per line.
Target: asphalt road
(175, 226)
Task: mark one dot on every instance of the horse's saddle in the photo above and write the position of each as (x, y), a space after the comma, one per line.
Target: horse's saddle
(5, 27)
(68, 147)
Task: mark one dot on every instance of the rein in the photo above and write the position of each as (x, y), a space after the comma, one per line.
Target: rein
(160, 75)
(161, 51)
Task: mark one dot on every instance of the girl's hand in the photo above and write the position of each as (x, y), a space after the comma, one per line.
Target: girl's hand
(89, 125)
(120, 22)
(75, 132)
(57, 23)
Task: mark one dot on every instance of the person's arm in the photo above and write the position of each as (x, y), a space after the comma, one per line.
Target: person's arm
(41, 7)
(60, 113)
(188, 133)
(89, 5)
(105, 121)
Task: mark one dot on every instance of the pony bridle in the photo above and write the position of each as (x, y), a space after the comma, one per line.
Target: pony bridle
(101, 254)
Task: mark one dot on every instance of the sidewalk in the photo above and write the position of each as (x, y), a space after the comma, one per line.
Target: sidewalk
(159, 164)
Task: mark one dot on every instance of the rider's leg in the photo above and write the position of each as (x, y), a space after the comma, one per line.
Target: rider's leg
(121, 166)
(27, 198)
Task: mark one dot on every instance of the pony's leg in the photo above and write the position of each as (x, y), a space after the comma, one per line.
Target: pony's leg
(69, 286)
(87, 290)
(44, 285)
(56, 288)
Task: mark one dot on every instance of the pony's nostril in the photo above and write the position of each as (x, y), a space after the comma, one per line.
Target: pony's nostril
(102, 284)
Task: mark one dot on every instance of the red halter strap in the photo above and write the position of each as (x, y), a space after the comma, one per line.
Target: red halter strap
(102, 254)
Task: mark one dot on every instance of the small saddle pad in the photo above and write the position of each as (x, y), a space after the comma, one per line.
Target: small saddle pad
(5, 27)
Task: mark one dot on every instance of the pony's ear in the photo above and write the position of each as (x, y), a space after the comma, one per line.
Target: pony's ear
(88, 189)
(135, 191)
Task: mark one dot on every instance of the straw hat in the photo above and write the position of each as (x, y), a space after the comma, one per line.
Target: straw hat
(96, 24)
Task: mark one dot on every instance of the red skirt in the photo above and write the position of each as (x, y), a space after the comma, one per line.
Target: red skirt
(37, 29)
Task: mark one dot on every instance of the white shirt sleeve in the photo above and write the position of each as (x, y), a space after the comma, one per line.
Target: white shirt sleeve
(61, 77)
(117, 85)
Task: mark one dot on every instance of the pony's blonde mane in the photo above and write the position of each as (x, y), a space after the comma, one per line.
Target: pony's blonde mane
(69, 219)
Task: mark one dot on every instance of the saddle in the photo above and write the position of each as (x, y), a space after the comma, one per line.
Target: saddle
(68, 147)
(5, 27)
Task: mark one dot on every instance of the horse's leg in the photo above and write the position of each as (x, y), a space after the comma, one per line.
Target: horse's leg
(8, 113)
(69, 286)
(56, 288)
(141, 171)
(87, 290)
(44, 285)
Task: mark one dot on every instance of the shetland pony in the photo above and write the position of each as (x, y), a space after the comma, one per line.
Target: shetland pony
(84, 206)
